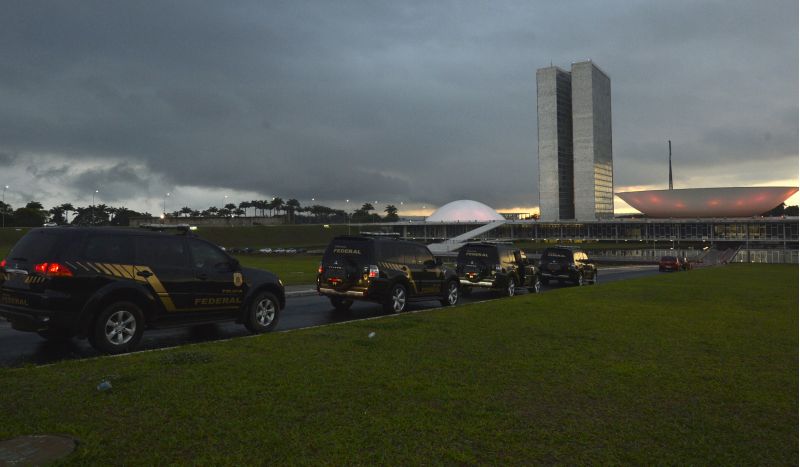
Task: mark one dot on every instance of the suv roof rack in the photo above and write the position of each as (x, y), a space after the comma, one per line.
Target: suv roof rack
(182, 229)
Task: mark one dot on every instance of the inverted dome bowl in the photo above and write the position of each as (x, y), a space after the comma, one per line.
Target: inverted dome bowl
(708, 202)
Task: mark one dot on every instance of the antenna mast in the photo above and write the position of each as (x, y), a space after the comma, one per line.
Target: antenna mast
(670, 164)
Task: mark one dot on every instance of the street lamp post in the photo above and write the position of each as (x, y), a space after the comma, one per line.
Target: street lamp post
(347, 213)
(164, 206)
(5, 187)
(93, 195)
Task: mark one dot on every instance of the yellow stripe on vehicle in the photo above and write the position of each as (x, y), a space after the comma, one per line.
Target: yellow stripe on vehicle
(158, 287)
(130, 271)
(121, 270)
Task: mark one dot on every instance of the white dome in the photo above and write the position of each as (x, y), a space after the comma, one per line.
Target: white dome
(464, 210)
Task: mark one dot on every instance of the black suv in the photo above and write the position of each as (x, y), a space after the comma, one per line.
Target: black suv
(384, 270)
(110, 284)
(497, 267)
(567, 264)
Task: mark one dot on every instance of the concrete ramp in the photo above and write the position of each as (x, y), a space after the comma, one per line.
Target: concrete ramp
(455, 243)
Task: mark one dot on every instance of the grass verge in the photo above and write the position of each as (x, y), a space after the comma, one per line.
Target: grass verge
(697, 368)
(292, 270)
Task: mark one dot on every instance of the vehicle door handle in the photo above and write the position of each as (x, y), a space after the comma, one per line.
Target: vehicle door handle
(202, 276)
(144, 274)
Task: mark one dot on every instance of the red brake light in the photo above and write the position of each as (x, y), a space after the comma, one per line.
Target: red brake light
(53, 269)
(319, 269)
(373, 271)
(3, 263)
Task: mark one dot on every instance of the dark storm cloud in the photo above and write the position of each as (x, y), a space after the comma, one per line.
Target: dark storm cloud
(7, 159)
(414, 101)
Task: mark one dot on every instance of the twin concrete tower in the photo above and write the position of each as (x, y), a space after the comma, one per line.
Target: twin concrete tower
(576, 171)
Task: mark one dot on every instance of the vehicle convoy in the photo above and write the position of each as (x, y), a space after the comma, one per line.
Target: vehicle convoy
(385, 270)
(498, 267)
(108, 285)
(566, 264)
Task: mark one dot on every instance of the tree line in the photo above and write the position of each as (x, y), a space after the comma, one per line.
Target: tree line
(33, 214)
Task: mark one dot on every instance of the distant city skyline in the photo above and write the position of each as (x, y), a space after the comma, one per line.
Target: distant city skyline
(417, 102)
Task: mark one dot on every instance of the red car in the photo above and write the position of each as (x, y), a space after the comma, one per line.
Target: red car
(669, 263)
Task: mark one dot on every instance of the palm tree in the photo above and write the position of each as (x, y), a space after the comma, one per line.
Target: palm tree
(391, 213)
(277, 204)
(292, 206)
(67, 208)
(244, 205)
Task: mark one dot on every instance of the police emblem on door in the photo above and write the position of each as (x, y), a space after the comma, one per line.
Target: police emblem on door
(237, 279)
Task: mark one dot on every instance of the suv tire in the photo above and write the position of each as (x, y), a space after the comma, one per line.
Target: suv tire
(118, 328)
(511, 287)
(262, 313)
(396, 301)
(341, 304)
(451, 294)
(537, 285)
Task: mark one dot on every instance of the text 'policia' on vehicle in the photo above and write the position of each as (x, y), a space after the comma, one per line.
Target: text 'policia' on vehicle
(385, 270)
(108, 285)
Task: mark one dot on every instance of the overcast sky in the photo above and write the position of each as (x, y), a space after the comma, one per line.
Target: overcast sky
(421, 102)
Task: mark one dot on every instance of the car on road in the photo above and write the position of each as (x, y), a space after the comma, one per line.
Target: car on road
(671, 263)
(499, 267)
(385, 270)
(567, 264)
(110, 284)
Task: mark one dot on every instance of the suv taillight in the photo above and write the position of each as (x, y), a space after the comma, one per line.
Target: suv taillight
(53, 269)
(319, 269)
(3, 263)
(373, 271)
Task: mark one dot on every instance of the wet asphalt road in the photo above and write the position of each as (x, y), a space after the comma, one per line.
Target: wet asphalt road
(22, 348)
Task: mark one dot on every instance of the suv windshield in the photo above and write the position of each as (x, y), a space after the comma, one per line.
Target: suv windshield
(557, 255)
(479, 254)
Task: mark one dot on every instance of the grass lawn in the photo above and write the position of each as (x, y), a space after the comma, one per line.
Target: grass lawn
(291, 269)
(691, 368)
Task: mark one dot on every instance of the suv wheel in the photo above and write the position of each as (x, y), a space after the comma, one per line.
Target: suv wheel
(118, 328)
(396, 302)
(451, 296)
(262, 315)
(341, 304)
(511, 288)
(537, 285)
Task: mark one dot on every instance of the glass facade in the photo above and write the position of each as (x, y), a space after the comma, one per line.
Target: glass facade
(566, 197)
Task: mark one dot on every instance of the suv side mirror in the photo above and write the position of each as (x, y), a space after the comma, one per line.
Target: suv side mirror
(430, 264)
(439, 262)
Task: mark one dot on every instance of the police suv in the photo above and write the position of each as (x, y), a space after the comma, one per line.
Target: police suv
(498, 267)
(383, 269)
(108, 285)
